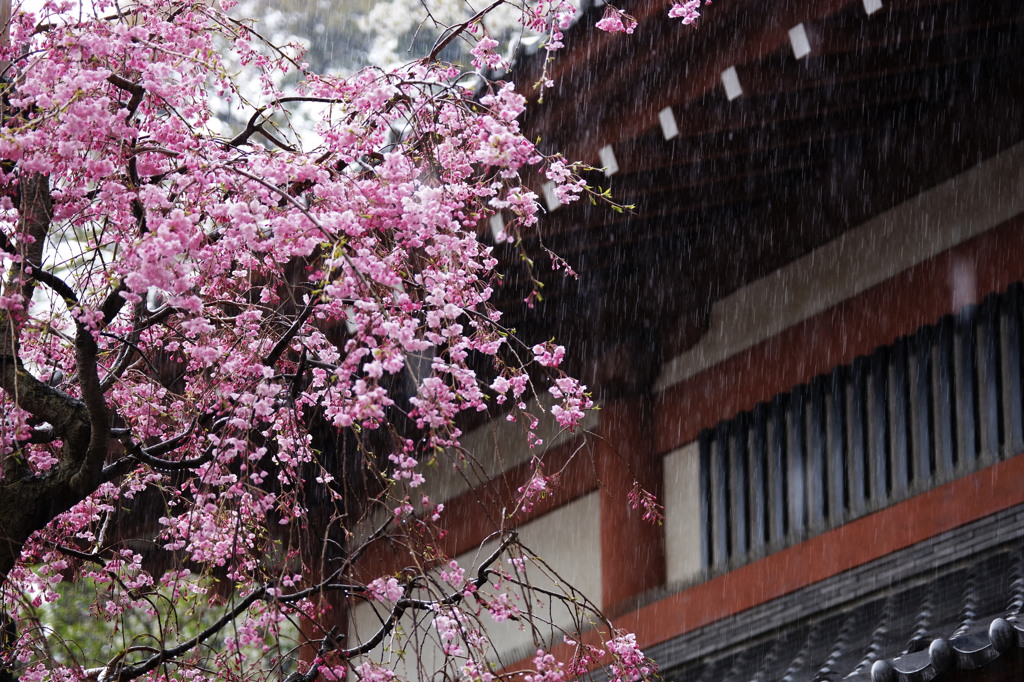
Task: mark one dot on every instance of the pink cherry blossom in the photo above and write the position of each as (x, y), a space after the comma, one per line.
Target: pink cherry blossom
(687, 11)
(616, 21)
(385, 589)
(268, 336)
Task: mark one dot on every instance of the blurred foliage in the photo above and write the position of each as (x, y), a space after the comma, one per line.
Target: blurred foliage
(82, 627)
(335, 32)
(343, 36)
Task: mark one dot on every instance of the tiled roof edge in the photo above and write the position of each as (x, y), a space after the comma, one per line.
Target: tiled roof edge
(858, 584)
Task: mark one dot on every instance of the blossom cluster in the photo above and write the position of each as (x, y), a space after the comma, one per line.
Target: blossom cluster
(630, 663)
(239, 287)
(686, 10)
(273, 334)
(617, 21)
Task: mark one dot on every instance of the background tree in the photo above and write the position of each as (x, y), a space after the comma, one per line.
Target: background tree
(227, 357)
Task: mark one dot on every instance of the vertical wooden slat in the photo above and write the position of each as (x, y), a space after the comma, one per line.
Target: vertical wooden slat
(899, 418)
(758, 468)
(738, 499)
(796, 463)
(817, 493)
(858, 450)
(720, 497)
(922, 424)
(944, 403)
(837, 428)
(704, 450)
(989, 379)
(965, 375)
(878, 428)
(778, 443)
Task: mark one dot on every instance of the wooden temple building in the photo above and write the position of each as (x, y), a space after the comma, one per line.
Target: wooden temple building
(808, 339)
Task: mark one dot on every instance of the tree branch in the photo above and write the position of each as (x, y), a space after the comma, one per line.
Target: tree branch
(404, 604)
(126, 673)
(81, 424)
(168, 465)
(254, 127)
(113, 303)
(45, 403)
(282, 344)
(87, 364)
(150, 664)
(136, 90)
(455, 31)
(59, 286)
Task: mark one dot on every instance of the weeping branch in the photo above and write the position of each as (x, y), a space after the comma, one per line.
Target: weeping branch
(115, 671)
(406, 603)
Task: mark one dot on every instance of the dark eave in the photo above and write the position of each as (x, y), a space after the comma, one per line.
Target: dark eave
(883, 107)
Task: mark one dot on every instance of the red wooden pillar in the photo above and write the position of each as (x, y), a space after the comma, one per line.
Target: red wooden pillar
(632, 550)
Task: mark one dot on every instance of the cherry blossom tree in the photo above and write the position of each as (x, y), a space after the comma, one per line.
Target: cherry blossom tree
(229, 358)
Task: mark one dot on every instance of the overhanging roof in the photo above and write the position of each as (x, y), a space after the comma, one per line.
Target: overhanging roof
(884, 106)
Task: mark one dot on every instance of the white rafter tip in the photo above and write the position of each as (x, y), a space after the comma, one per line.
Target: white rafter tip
(350, 320)
(798, 39)
(497, 228)
(668, 123)
(872, 6)
(550, 198)
(608, 161)
(731, 81)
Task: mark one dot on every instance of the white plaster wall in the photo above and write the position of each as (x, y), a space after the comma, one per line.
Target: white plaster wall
(682, 514)
(486, 452)
(934, 221)
(493, 448)
(567, 539)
